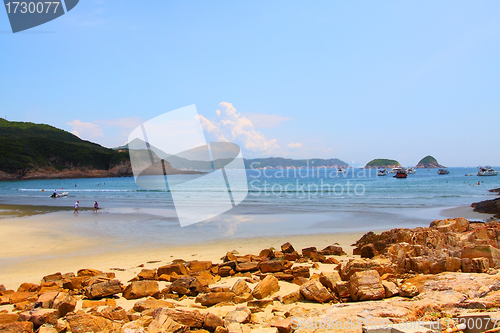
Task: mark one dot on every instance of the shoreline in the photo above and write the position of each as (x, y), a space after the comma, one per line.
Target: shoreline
(39, 242)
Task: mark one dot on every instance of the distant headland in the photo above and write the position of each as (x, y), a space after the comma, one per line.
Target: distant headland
(429, 162)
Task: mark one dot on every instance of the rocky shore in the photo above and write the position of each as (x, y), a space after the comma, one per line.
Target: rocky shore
(447, 270)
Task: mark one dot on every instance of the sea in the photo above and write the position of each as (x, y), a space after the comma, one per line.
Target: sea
(279, 202)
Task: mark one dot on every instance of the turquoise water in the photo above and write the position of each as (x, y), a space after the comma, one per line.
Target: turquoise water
(304, 201)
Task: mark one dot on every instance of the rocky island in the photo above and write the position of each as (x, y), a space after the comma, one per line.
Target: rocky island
(429, 162)
(382, 163)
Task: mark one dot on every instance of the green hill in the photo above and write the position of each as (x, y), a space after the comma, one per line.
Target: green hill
(429, 162)
(27, 146)
(382, 163)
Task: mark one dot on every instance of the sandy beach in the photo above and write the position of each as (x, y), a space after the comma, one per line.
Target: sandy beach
(36, 243)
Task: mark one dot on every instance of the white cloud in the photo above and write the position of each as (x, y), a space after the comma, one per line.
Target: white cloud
(265, 120)
(234, 127)
(294, 145)
(85, 130)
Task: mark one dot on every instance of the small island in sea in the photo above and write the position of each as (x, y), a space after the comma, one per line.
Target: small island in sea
(429, 162)
(382, 163)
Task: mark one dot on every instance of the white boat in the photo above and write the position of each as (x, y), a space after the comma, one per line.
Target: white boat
(382, 172)
(59, 194)
(399, 170)
(411, 170)
(487, 171)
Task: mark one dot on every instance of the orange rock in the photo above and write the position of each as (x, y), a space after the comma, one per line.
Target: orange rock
(139, 289)
(7, 318)
(266, 287)
(173, 268)
(19, 327)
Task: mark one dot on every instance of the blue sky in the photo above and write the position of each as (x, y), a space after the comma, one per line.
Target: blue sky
(352, 80)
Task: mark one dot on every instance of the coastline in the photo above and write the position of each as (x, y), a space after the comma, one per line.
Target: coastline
(40, 242)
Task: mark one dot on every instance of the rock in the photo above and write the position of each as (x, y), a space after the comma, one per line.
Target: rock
(488, 207)
(29, 287)
(309, 252)
(293, 297)
(147, 274)
(210, 299)
(44, 316)
(483, 251)
(266, 287)
(331, 260)
(7, 318)
(246, 267)
(19, 327)
(132, 327)
(292, 256)
(243, 298)
(366, 285)
(140, 289)
(240, 316)
(313, 290)
(226, 271)
(274, 266)
(94, 304)
(221, 329)
(64, 303)
(287, 248)
(85, 323)
(329, 280)
(87, 272)
(212, 321)
(229, 257)
(267, 254)
(299, 280)
(408, 290)
(347, 269)
(75, 283)
(342, 289)
(179, 269)
(260, 303)
(283, 325)
(333, 250)
(18, 297)
(103, 289)
(163, 323)
(152, 304)
(192, 319)
(301, 271)
(46, 300)
(188, 285)
(368, 251)
(52, 277)
(283, 277)
(391, 289)
(240, 287)
(47, 329)
(199, 266)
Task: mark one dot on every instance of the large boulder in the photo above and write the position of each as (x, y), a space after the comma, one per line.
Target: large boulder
(192, 319)
(240, 288)
(188, 285)
(366, 285)
(483, 251)
(287, 248)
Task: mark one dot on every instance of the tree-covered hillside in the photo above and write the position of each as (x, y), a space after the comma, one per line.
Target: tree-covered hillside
(27, 146)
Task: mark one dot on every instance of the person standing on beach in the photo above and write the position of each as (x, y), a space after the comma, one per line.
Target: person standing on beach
(76, 207)
(96, 207)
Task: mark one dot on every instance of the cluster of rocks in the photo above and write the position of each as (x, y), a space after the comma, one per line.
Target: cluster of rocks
(265, 292)
(488, 206)
(449, 245)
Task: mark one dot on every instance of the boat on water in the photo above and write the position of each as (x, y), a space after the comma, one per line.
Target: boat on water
(340, 170)
(59, 194)
(402, 173)
(382, 172)
(443, 172)
(487, 171)
(411, 170)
